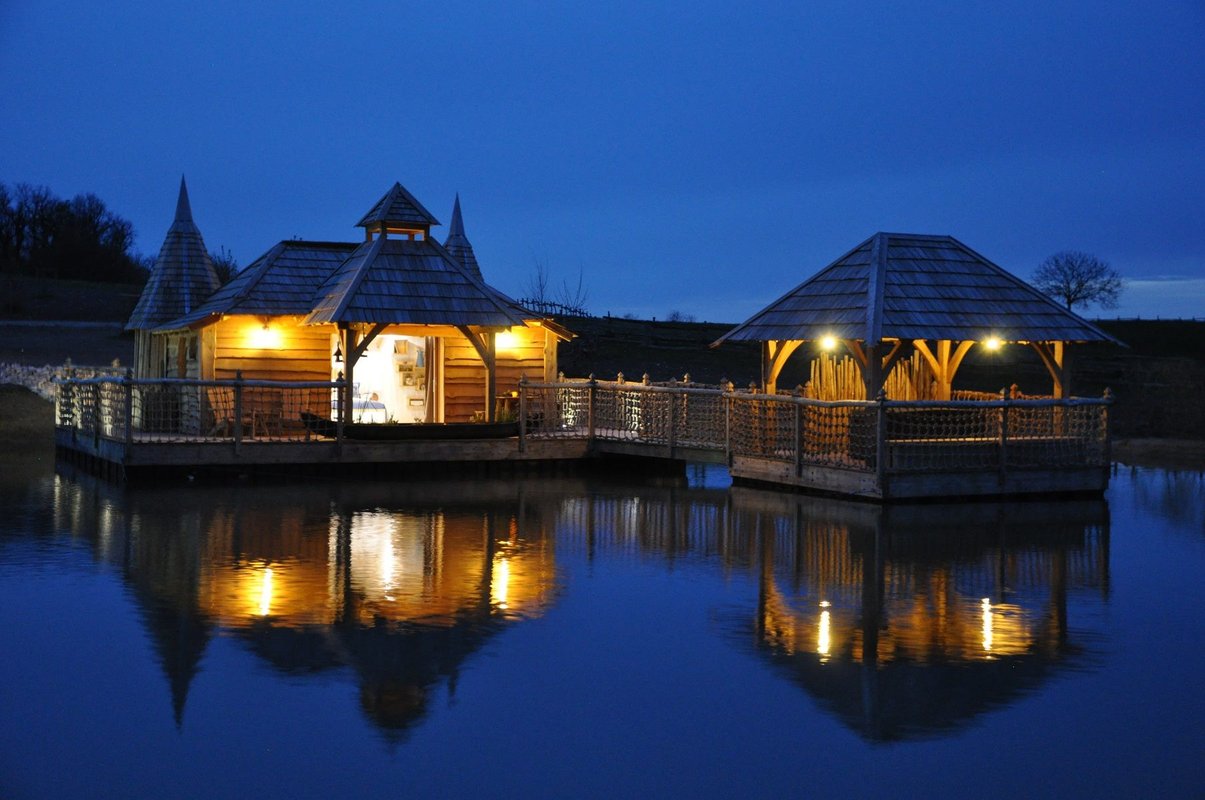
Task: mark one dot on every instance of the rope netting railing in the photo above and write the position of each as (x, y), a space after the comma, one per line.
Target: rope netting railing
(986, 433)
(182, 410)
(997, 434)
(888, 436)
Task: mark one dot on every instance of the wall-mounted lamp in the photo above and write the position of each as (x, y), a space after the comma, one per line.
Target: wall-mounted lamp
(338, 355)
(265, 337)
(505, 340)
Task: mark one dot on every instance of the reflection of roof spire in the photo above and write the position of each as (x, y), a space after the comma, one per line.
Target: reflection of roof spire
(457, 244)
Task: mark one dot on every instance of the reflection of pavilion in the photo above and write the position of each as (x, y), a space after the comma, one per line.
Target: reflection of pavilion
(907, 621)
(311, 581)
(902, 621)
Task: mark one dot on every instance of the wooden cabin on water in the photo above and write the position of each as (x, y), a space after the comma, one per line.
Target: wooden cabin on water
(410, 324)
(305, 355)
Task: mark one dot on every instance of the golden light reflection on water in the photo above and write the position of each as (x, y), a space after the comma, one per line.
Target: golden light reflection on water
(265, 593)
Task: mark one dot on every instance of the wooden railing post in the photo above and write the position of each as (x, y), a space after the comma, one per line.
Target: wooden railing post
(590, 395)
(522, 413)
(673, 420)
(238, 409)
(727, 387)
(340, 401)
(128, 384)
(797, 434)
(881, 444)
(1004, 398)
(1108, 432)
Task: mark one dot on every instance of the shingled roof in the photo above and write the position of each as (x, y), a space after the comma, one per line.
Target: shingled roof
(403, 281)
(398, 208)
(182, 277)
(282, 281)
(911, 286)
(458, 245)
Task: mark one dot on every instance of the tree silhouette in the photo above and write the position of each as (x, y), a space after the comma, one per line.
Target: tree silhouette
(1075, 278)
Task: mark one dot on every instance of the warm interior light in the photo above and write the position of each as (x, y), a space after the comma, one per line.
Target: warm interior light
(993, 343)
(823, 635)
(828, 343)
(265, 337)
(505, 340)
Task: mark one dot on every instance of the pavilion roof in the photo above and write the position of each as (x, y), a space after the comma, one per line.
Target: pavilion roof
(282, 281)
(405, 281)
(183, 276)
(911, 286)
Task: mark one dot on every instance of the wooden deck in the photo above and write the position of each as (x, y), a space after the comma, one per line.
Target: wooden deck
(872, 450)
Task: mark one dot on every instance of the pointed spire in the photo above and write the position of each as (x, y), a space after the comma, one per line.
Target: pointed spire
(457, 227)
(183, 209)
(182, 277)
(458, 246)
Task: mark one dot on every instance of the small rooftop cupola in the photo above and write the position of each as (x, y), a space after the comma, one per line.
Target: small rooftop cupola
(458, 245)
(183, 276)
(398, 213)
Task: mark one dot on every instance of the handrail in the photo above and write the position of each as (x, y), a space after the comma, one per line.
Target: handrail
(218, 383)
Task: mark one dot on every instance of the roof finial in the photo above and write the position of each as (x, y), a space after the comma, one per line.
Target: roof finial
(183, 210)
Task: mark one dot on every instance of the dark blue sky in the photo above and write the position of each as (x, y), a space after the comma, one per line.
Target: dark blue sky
(698, 157)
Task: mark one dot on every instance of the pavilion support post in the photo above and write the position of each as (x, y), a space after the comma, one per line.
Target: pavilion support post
(348, 335)
(491, 377)
(774, 357)
(1054, 357)
(944, 363)
(486, 346)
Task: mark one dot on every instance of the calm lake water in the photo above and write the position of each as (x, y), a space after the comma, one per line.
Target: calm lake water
(577, 638)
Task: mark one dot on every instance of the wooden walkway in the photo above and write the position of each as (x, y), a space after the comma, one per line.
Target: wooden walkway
(874, 450)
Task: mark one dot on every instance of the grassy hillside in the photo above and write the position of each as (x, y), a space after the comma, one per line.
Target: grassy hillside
(26, 298)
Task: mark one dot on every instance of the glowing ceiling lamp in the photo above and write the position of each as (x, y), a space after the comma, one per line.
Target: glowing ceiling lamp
(993, 343)
(828, 343)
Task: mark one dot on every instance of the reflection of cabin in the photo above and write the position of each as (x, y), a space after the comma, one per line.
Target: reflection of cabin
(409, 323)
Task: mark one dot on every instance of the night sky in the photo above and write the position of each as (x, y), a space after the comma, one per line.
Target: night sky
(694, 157)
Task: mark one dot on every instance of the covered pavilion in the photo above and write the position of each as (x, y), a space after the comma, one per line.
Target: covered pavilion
(898, 293)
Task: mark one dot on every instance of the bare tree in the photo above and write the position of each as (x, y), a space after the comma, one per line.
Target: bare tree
(537, 284)
(1075, 278)
(224, 264)
(565, 299)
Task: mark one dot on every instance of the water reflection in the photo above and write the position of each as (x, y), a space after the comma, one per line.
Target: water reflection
(908, 621)
(323, 578)
(900, 621)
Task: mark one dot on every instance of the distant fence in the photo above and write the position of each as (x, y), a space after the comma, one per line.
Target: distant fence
(551, 308)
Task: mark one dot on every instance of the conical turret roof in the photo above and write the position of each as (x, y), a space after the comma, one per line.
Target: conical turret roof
(183, 276)
(458, 245)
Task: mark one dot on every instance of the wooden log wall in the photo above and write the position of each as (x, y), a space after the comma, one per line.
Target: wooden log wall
(299, 353)
(464, 373)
